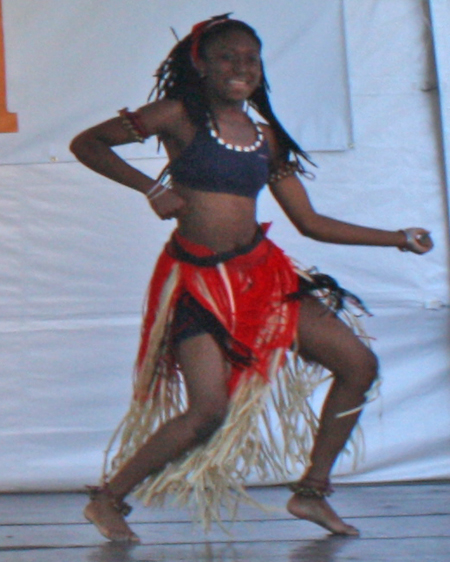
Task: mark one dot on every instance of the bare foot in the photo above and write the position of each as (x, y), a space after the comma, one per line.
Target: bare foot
(109, 522)
(319, 511)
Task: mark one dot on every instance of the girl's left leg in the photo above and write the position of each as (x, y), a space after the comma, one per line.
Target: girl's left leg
(325, 339)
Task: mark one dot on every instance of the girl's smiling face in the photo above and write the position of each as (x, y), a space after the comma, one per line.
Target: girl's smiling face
(231, 66)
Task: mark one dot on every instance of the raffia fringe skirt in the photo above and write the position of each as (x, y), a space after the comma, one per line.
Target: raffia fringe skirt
(254, 296)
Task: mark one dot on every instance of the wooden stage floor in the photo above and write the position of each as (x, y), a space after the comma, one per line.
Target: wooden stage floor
(400, 522)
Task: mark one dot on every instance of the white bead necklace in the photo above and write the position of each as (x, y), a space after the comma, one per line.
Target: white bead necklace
(237, 147)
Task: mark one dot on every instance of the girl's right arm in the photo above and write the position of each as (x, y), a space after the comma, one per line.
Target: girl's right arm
(94, 149)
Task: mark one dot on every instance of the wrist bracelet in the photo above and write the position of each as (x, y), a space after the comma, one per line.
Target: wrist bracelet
(152, 189)
(414, 239)
(409, 241)
(153, 197)
(150, 193)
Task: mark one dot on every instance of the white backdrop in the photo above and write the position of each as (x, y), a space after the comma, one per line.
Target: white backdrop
(73, 63)
(77, 250)
(440, 17)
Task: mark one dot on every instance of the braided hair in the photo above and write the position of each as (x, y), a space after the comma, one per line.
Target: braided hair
(178, 78)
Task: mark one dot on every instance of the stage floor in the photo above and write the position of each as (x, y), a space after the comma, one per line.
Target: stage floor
(398, 522)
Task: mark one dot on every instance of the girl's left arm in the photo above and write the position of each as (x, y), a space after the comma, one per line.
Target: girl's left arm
(293, 199)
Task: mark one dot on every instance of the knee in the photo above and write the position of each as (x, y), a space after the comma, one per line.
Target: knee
(208, 421)
(369, 361)
(369, 371)
(363, 371)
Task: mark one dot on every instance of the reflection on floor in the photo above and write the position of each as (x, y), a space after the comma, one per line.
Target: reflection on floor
(398, 522)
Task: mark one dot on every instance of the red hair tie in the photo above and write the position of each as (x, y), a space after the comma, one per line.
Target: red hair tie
(199, 29)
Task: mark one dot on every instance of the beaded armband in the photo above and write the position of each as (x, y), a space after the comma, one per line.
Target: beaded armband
(133, 123)
(283, 171)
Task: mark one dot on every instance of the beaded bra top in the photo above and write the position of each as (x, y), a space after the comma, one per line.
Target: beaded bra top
(211, 164)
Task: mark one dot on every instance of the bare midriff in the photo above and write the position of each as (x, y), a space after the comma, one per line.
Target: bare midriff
(220, 221)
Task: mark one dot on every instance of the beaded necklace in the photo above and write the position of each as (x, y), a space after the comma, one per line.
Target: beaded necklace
(237, 147)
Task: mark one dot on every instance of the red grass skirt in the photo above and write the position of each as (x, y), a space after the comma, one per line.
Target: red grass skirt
(250, 296)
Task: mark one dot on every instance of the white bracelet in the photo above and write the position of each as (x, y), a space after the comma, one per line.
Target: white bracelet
(149, 193)
(163, 190)
(409, 240)
(152, 189)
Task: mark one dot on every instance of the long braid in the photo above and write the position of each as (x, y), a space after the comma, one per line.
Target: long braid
(178, 78)
(259, 100)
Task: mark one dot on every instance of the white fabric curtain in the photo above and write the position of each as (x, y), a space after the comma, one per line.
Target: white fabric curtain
(440, 20)
(72, 64)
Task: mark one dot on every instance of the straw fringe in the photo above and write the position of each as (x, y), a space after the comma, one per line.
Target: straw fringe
(213, 475)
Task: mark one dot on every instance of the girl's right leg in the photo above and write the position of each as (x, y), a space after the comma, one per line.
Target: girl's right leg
(205, 372)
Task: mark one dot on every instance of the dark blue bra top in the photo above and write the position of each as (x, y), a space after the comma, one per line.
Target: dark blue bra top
(206, 165)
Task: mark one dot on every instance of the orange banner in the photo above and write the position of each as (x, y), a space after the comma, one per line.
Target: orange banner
(8, 121)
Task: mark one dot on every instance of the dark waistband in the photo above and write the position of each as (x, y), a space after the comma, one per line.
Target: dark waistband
(178, 252)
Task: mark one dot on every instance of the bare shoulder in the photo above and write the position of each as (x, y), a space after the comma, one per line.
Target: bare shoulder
(272, 142)
(164, 117)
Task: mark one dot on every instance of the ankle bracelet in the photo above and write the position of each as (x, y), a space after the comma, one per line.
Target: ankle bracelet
(321, 490)
(119, 505)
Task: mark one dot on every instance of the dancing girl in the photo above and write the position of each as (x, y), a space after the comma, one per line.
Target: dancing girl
(232, 326)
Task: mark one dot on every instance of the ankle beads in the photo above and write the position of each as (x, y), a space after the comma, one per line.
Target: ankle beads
(322, 489)
(119, 505)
